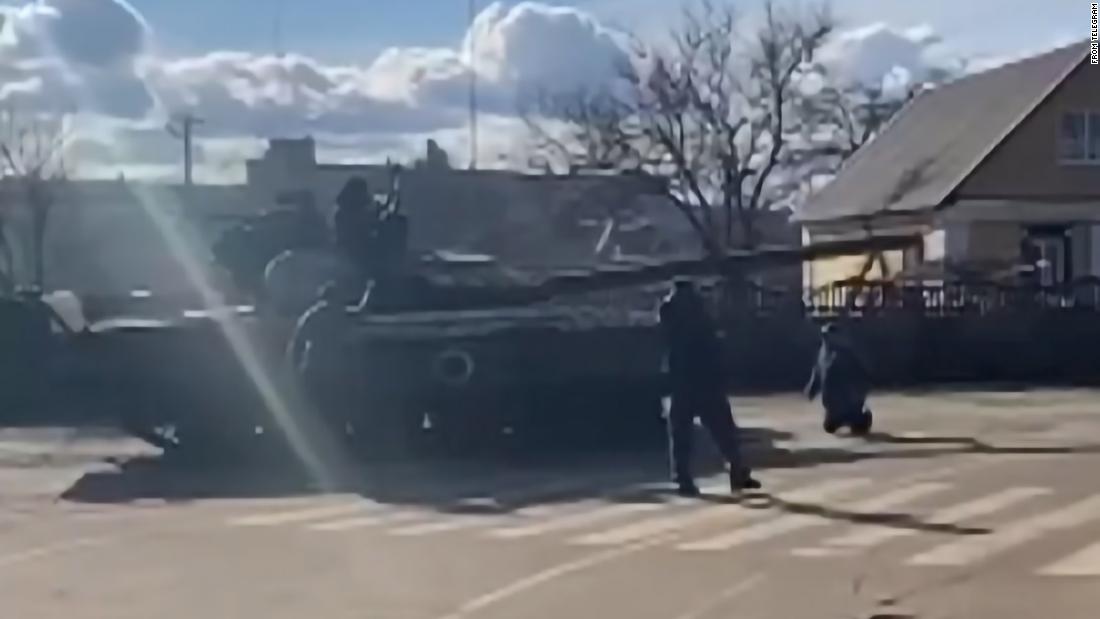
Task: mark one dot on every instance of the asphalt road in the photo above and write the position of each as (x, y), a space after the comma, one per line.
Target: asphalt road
(966, 505)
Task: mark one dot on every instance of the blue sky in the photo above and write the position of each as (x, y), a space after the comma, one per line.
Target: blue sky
(328, 28)
(355, 30)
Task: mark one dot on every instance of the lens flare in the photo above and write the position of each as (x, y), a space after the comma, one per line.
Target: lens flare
(159, 207)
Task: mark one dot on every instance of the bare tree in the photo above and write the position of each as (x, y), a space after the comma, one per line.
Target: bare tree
(836, 121)
(32, 166)
(710, 116)
(7, 258)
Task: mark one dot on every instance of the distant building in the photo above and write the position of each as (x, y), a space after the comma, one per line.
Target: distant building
(523, 219)
(114, 237)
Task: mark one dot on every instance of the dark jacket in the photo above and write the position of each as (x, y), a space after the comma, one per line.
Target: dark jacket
(353, 228)
(694, 353)
(840, 377)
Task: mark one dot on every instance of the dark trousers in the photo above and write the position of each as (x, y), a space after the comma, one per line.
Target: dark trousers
(713, 410)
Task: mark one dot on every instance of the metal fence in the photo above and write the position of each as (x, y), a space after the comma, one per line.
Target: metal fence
(951, 299)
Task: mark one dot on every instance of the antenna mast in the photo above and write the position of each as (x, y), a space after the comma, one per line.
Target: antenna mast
(473, 85)
(277, 30)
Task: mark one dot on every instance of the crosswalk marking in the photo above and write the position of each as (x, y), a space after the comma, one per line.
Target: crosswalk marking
(796, 522)
(866, 536)
(1085, 562)
(440, 526)
(459, 522)
(663, 524)
(362, 522)
(575, 521)
(300, 515)
(976, 548)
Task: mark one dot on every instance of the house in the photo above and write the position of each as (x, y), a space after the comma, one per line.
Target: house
(998, 171)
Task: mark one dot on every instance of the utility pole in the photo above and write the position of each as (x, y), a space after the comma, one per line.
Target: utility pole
(277, 29)
(182, 128)
(473, 85)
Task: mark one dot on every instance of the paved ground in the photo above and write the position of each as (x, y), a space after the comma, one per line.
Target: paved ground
(967, 505)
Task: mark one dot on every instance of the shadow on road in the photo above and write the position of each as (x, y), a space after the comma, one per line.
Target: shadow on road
(503, 481)
(902, 447)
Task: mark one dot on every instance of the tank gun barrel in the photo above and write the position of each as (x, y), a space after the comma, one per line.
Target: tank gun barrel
(446, 298)
(732, 262)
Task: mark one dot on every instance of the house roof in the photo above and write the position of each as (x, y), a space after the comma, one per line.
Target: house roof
(939, 138)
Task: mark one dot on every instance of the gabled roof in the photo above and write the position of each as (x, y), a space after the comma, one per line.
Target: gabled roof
(939, 138)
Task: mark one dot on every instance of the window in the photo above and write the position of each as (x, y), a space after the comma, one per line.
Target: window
(1047, 250)
(1079, 138)
(1094, 136)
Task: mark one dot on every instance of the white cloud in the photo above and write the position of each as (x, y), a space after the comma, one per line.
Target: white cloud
(554, 46)
(405, 90)
(63, 55)
(884, 56)
(529, 45)
(96, 57)
(240, 93)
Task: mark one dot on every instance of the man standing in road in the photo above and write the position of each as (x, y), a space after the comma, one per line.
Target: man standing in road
(698, 382)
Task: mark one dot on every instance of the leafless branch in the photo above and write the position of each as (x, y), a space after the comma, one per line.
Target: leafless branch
(711, 113)
(33, 163)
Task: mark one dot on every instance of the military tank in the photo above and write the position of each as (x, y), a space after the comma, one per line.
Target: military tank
(461, 351)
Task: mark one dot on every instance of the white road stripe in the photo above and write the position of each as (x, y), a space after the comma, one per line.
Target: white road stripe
(866, 536)
(662, 524)
(577, 520)
(300, 515)
(976, 548)
(797, 522)
(456, 523)
(460, 522)
(1083, 563)
(363, 522)
(723, 597)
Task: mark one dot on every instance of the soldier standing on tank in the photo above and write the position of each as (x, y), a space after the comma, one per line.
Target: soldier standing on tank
(355, 228)
(354, 222)
(698, 385)
(318, 357)
(842, 379)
